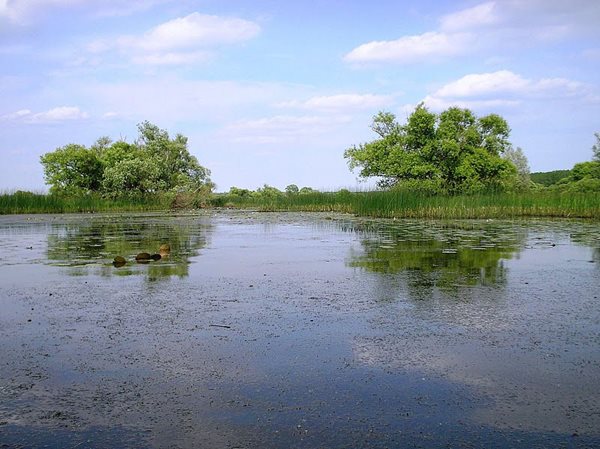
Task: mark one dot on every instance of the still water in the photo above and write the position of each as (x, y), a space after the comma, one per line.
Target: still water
(264, 330)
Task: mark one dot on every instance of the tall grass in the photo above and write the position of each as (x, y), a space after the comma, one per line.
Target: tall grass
(34, 203)
(385, 204)
(407, 204)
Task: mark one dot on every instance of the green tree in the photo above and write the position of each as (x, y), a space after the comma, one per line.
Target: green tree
(454, 151)
(178, 169)
(596, 148)
(519, 160)
(244, 193)
(292, 189)
(153, 163)
(72, 169)
(268, 192)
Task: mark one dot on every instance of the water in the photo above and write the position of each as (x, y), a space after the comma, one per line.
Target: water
(268, 330)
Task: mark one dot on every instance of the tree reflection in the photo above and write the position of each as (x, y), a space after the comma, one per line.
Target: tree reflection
(438, 256)
(89, 246)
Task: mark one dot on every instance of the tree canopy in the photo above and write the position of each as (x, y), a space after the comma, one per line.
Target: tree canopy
(454, 151)
(153, 163)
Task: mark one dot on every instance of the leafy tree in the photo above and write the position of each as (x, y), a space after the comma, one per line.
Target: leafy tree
(153, 163)
(454, 151)
(596, 148)
(305, 190)
(244, 193)
(292, 189)
(519, 160)
(72, 169)
(268, 192)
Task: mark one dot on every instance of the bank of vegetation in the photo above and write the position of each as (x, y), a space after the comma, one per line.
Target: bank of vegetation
(448, 165)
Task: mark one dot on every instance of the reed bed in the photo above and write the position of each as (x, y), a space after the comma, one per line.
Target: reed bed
(406, 204)
(384, 204)
(38, 203)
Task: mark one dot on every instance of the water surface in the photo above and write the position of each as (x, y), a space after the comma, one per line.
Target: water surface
(298, 330)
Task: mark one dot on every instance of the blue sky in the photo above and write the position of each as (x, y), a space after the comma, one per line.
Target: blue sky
(274, 91)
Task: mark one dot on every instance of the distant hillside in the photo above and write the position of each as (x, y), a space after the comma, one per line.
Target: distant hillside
(550, 177)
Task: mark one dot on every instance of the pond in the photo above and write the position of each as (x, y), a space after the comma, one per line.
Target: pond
(289, 330)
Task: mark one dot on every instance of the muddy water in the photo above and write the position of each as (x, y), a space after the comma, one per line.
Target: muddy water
(298, 331)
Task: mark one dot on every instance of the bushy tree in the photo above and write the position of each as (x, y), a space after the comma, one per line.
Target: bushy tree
(453, 152)
(268, 192)
(292, 189)
(153, 163)
(72, 169)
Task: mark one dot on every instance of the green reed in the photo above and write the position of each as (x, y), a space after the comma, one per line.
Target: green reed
(32, 203)
(407, 204)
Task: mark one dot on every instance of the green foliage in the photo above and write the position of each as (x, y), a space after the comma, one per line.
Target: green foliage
(549, 178)
(154, 163)
(522, 175)
(596, 148)
(242, 193)
(72, 169)
(268, 192)
(453, 152)
(292, 189)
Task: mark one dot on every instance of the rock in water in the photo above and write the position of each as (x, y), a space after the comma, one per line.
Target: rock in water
(155, 257)
(119, 261)
(143, 257)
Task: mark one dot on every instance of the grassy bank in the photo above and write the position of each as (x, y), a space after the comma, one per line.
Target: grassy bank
(385, 204)
(402, 204)
(35, 203)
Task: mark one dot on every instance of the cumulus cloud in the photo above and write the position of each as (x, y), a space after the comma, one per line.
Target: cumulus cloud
(58, 114)
(411, 49)
(341, 102)
(194, 30)
(488, 26)
(500, 89)
(183, 40)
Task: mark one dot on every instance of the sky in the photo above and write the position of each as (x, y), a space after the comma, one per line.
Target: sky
(274, 91)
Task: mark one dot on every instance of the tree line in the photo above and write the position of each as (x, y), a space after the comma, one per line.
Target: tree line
(453, 152)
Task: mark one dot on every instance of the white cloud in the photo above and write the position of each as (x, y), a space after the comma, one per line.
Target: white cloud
(58, 114)
(483, 84)
(411, 49)
(479, 16)
(184, 40)
(341, 102)
(500, 89)
(503, 26)
(17, 115)
(192, 31)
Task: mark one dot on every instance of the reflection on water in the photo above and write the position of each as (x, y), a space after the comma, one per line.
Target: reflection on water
(89, 246)
(298, 330)
(435, 255)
